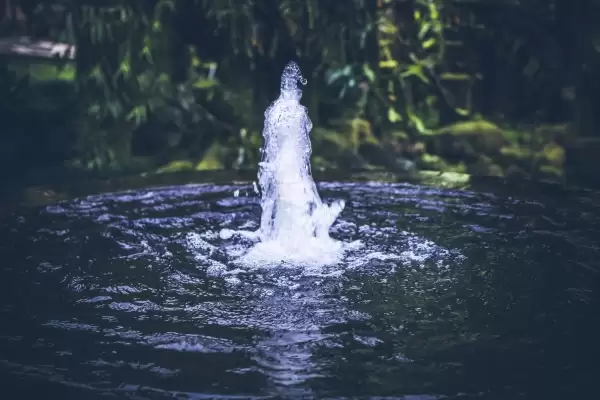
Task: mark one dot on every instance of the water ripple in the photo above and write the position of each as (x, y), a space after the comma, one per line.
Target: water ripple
(137, 294)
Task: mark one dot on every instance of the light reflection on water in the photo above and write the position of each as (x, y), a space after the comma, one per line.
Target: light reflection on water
(136, 293)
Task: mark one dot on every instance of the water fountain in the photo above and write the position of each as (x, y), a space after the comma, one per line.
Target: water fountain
(295, 222)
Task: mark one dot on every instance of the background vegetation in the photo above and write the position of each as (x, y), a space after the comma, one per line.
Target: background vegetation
(487, 87)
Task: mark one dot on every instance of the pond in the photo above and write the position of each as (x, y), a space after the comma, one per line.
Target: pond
(485, 291)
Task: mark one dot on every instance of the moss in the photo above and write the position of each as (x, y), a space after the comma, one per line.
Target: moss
(44, 72)
(447, 179)
(176, 166)
(335, 138)
(360, 131)
(552, 171)
(459, 168)
(469, 128)
(513, 136)
(517, 153)
(319, 163)
(466, 140)
(212, 159)
(330, 146)
(486, 166)
(562, 134)
(434, 162)
(554, 154)
(495, 170)
(432, 159)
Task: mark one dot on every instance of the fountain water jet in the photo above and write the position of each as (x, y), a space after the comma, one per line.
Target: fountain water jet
(295, 222)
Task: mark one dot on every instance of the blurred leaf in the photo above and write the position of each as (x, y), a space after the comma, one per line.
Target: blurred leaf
(429, 43)
(393, 115)
(425, 27)
(433, 11)
(369, 73)
(203, 83)
(138, 113)
(415, 70)
(388, 28)
(388, 64)
(195, 61)
(418, 123)
(125, 68)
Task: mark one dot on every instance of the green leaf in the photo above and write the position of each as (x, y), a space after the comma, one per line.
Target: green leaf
(418, 123)
(138, 113)
(429, 43)
(369, 72)
(425, 27)
(203, 83)
(125, 68)
(114, 109)
(391, 64)
(415, 70)
(433, 12)
(393, 115)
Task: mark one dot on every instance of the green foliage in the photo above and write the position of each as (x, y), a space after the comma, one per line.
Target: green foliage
(126, 80)
(375, 67)
(125, 74)
(408, 79)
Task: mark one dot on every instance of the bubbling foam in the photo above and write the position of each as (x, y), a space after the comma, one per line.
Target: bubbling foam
(295, 222)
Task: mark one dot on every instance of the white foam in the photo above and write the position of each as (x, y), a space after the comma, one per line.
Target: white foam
(295, 222)
(309, 252)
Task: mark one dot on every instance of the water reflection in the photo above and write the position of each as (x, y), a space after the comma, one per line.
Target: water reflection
(454, 293)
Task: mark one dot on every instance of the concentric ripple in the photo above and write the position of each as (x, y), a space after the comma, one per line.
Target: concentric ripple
(444, 293)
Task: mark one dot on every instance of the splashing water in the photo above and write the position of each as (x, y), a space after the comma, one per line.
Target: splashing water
(295, 222)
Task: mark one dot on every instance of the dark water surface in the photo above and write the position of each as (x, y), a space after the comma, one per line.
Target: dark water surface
(489, 292)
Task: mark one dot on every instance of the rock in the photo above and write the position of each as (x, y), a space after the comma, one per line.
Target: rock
(562, 134)
(433, 162)
(485, 166)
(378, 155)
(328, 143)
(517, 154)
(467, 140)
(176, 166)
(359, 131)
(405, 165)
(350, 160)
(514, 171)
(417, 148)
(335, 149)
(212, 158)
(551, 172)
(513, 156)
(582, 160)
(319, 163)
(44, 49)
(554, 155)
(404, 147)
(37, 196)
